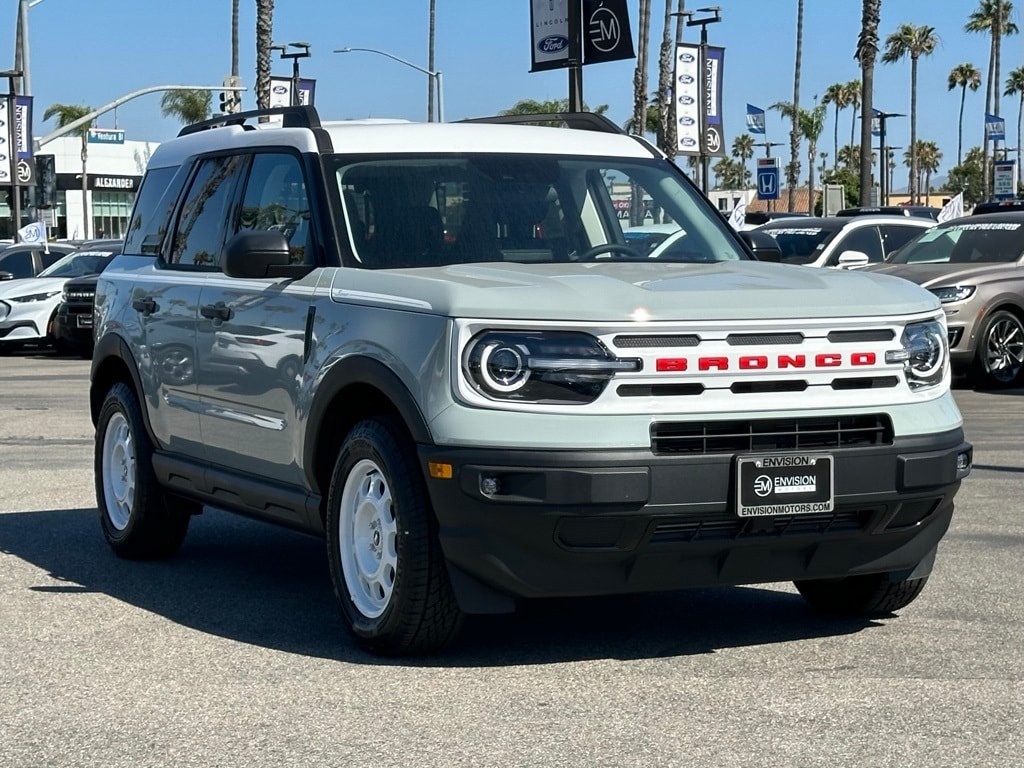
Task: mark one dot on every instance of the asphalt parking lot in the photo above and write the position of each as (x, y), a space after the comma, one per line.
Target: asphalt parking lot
(232, 653)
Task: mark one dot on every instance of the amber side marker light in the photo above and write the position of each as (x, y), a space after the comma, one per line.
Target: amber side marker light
(439, 471)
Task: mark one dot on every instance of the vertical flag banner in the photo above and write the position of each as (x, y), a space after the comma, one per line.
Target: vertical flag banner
(687, 91)
(714, 130)
(549, 27)
(739, 214)
(995, 128)
(755, 119)
(876, 124)
(606, 32)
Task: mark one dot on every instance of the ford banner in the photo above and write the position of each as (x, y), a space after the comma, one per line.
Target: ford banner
(549, 22)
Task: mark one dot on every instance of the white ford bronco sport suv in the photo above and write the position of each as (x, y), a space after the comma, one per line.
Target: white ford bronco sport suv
(432, 345)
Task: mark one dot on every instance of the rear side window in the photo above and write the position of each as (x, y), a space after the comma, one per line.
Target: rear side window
(18, 264)
(152, 212)
(199, 234)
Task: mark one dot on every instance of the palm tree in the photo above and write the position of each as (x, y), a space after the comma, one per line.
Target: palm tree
(743, 150)
(186, 105)
(67, 114)
(430, 61)
(865, 54)
(793, 168)
(551, 107)
(264, 39)
(1015, 87)
(914, 42)
(963, 76)
(234, 38)
(839, 95)
(992, 17)
(853, 90)
(640, 98)
(928, 157)
(665, 72)
(810, 123)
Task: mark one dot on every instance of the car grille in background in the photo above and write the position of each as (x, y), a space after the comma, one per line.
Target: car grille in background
(811, 433)
(686, 531)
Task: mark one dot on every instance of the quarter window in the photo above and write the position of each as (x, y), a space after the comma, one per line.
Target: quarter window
(276, 199)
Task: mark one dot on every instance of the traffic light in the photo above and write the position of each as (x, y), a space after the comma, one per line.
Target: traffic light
(46, 181)
(231, 101)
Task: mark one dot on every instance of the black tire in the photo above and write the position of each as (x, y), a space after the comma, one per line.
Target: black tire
(139, 519)
(999, 361)
(871, 596)
(386, 563)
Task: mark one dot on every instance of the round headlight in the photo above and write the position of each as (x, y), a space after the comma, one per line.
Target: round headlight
(503, 367)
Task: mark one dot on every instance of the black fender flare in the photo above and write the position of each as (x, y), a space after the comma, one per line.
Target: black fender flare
(113, 346)
(355, 371)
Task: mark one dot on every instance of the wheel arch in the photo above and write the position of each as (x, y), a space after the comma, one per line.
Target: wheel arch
(113, 362)
(354, 389)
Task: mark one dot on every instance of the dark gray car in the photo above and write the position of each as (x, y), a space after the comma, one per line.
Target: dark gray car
(975, 265)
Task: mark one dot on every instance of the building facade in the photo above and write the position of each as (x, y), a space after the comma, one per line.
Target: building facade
(73, 210)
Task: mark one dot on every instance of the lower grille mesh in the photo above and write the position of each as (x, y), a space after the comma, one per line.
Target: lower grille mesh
(771, 434)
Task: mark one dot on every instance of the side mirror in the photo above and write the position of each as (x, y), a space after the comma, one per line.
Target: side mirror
(762, 245)
(6, 276)
(261, 253)
(853, 260)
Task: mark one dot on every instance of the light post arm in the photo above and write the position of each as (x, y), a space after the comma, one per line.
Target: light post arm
(86, 119)
(435, 75)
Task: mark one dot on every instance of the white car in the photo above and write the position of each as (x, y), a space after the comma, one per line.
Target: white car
(28, 305)
(844, 242)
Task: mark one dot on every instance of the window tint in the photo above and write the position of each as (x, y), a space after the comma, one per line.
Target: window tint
(864, 239)
(152, 212)
(894, 237)
(199, 235)
(18, 263)
(276, 199)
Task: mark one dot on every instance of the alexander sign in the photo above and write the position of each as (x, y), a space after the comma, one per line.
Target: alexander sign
(98, 182)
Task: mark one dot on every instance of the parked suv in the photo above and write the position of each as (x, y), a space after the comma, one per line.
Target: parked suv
(477, 391)
(72, 325)
(843, 242)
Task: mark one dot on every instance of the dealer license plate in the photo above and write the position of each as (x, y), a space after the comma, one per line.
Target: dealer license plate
(784, 484)
(85, 321)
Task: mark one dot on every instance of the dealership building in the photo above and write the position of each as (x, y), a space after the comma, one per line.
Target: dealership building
(113, 170)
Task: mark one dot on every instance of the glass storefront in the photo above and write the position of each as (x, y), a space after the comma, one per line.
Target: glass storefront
(110, 212)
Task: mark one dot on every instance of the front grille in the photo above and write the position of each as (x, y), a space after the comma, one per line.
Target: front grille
(656, 341)
(687, 531)
(735, 436)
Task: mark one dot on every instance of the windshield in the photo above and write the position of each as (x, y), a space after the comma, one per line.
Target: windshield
(421, 211)
(799, 244)
(965, 242)
(78, 264)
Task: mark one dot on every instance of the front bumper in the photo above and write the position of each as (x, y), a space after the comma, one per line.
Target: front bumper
(606, 522)
(73, 326)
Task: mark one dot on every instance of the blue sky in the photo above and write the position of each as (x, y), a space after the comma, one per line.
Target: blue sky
(92, 51)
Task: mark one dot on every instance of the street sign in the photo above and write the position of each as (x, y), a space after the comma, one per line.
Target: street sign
(767, 178)
(1005, 179)
(106, 136)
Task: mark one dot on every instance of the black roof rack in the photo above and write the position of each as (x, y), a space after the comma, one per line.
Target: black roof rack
(585, 121)
(292, 117)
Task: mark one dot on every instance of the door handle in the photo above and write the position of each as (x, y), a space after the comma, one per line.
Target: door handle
(218, 311)
(146, 306)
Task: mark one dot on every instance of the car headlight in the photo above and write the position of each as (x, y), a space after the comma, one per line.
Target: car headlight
(953, 293)
(924, 354)
(541, 367)
(35, 297)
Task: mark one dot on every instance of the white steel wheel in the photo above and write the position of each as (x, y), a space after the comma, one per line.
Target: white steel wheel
(367, 538)
(120, 473)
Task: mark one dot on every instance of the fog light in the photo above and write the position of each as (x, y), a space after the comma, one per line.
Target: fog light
(963, 462)
(489, 486)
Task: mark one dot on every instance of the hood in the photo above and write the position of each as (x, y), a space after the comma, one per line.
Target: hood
(931, 275)
(27, 286)
(618, 291)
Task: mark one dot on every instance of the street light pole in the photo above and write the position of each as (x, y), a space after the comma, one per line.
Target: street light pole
(883, 186)
(435, 75)
(702, 59)
(303, 53)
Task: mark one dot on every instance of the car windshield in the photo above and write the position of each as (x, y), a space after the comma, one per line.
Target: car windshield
(78, 264)
(965, 242)
(799, 244)
(422, 211)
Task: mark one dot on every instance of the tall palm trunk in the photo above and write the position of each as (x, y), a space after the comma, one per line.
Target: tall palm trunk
(867, 52)
(793, 169)
(636, 208)
(960, 130)
(988, 111)
(264, 39)
(234, 38)
(914, 184)
(665, 119)
(430, 62)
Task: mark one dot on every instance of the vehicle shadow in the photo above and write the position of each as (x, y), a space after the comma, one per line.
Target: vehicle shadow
(269, 587)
